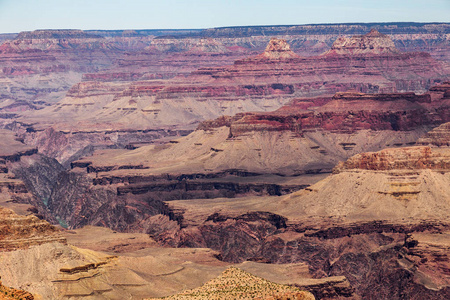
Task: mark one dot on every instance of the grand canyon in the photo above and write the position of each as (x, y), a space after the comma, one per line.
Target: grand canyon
(248, 162)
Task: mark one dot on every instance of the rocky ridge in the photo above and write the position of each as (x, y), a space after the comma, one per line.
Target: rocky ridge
(235, 283)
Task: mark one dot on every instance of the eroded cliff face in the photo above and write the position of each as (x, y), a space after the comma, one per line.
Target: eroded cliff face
(20, 232)
(260, 83)
(251, 155)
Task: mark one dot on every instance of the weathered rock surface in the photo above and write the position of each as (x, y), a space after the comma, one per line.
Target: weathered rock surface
(8, 293)
(21, 232)
(107, 240)
(260, 83)
(253, 156)
(372, 43)
(254, 144)
(348, 112)
(14, 193)
(278, 49)
(414, 158)
(363, 240)
(439, 136)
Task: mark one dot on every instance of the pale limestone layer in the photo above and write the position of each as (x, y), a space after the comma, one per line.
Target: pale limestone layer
(266, 152)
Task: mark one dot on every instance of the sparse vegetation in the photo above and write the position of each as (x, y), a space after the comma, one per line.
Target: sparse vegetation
(235, 283)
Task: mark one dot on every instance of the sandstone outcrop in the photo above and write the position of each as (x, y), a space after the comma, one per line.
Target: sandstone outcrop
(70, 272)
(415, 158)
(371, 43)
(20, 232)
(278, 49)
(7, 293)
(439, 136)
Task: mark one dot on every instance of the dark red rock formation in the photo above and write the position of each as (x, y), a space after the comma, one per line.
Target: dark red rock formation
(347, 112)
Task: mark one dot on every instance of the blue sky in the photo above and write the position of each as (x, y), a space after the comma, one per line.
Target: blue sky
(20, 15)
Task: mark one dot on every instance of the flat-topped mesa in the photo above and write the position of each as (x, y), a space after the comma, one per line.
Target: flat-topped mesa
(278, 49)
(373, 42)
(412, 158)
(56, 34)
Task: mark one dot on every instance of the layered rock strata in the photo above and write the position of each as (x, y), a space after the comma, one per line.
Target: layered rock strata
(260, 83)
(20, 232)
(373, 42)
(250, 154)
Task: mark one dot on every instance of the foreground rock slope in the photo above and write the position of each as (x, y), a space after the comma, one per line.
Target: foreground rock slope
(234, 283)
